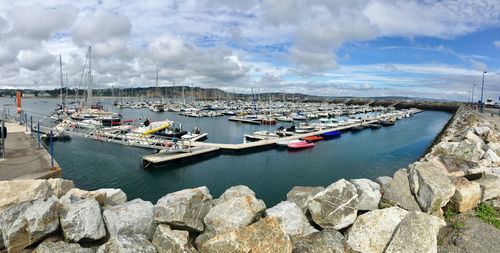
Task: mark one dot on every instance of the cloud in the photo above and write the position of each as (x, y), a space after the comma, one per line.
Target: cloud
(497, 43)
(34, 60)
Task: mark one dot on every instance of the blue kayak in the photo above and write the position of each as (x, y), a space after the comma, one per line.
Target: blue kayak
(331, 135)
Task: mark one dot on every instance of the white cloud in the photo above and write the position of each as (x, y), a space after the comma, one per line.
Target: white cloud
(497, 43)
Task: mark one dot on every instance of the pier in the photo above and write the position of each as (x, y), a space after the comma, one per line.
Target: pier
(24, 157)
(166, 157)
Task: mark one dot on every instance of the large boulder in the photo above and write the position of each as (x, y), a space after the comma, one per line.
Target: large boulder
(127, 244)
(167, 240)
(325, 241)
(383, 181)
(432, 188)
(28, 223)
(467, 195)
(490, 186)
(398, 193)
(230, 215)
(17, 191)
(113, 196)
(470, 150)
(491, 156)
(482, 131)
(60, 186)
(336, 206)
(61, 246)
(302, 195)
(373, 230)
(131, 218)
(185, 208)
(417, 232)
(368, 193)
(266, 235)
(292, 218)
(234, 192)
(75, 194)
(475, 235)
(81, 219)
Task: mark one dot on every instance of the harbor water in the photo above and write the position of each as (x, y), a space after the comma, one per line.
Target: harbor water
(271, 173)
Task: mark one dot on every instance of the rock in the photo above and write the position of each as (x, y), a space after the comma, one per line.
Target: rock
(431, 187)
(60, 186)
(493, 146)
(61, 246)
(368, 193)
(467, 195)
(266, 235)
(372, 231)
(113, 196)
(475, 236)
(291, 218)
(184, 209)
(470, 150)
(482, 130)
(302, 195)
(77, 194)
(234, 192)
(127, 244)
(81, 220)
(417, 232)
(29, 223)
(167, 240)
(131, 218)
(325, 241)
(230, 215)
(18, 191)
(336, 206)
(490, 186)
(398, 193)
(491, 156)
(493, 136)
(383, 182)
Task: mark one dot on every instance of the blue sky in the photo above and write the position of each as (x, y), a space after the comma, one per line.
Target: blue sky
(422, 48)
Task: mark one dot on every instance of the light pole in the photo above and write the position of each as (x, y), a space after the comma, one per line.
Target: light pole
(473, 89)
(482, 88)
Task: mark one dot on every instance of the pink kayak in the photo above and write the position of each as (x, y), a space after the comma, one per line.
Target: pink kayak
(300, 145)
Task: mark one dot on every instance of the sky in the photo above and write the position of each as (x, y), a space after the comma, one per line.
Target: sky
(424, 48)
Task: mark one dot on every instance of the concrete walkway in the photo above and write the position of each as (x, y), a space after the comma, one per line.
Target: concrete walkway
(23, 159)
(487, 115)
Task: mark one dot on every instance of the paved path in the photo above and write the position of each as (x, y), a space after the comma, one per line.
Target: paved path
(23, 159)
(487, 115)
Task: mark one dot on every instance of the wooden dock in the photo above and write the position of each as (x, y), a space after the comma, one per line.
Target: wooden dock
(167, 157)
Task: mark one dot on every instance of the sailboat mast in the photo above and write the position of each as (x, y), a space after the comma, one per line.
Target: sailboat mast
(61, 76)
(157, 93)
(89, 87)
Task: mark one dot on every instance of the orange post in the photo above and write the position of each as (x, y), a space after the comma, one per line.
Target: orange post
(18, 101)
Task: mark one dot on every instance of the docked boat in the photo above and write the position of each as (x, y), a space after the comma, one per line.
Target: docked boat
(304, 128)
(331, 135)
(269, 121)
(358, 128)
(374, 125)
(285, 143)
(300, 145)
(261, 135)
(312, 138)
(388, 122)
(285, 119)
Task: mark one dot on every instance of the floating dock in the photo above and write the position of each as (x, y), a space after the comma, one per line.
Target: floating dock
(167, 157)
(244, 120)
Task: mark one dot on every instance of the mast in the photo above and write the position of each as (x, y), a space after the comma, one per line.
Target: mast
(61, 76)
(89, 85)
(157, 93)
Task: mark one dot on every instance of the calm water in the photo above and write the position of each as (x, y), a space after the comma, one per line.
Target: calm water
(270, 173)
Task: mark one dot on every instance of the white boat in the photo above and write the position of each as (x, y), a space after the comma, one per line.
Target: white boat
(285, 143)
(304, 128)
(285, 119)
(261, 135)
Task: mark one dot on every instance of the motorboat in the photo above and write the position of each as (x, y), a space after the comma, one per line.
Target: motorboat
(285, 119)
(261, 135)
(300, 145)
(313, 138)
(285, 143)
(331, 135)
(305, 128)
(388, 122)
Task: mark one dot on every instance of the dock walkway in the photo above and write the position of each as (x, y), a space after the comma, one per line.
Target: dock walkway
(23, 159)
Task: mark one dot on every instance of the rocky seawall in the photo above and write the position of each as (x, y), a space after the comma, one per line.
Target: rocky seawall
(403, 213)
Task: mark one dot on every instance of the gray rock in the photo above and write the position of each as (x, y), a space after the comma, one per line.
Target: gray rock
(368, 193)
(77, 194)
(61, 246)
(18, 191)
(431, 187)
(60, 186)
(469, 150)
(467, 195)
(475, 236)
(490, 186)
(131, 218)
(417, 232)
(336, 206)
(291, 218)
(230, 215)
(167, 240)
(372, 231)
(184, 208)
(127, 244)
(113, 196)
(29, 223)
(491, 156)
(266, 235)
(482, 130)
(325, 241)
(302, 195)
(81, 219)
(398, 193)
(383, 181)
(234, 192)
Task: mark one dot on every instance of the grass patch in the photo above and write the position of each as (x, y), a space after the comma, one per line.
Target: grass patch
(488, 214)
(453, 218)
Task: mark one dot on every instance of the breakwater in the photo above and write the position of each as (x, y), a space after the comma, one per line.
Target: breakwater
(402, 213)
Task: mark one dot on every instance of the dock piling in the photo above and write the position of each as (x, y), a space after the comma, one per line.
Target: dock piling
(31, 126)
